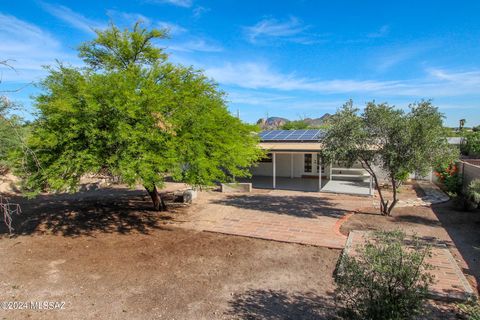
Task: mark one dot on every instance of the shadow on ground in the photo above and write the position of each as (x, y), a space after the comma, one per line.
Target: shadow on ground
(276, 305)
(299, 206)
(107, 210)
(463, 228)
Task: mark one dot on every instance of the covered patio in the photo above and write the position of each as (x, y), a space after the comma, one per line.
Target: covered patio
(295, 162)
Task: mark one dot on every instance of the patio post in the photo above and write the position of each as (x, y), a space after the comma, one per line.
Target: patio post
(274, 170)
(291, 165)
(319, 172)
(371, 183)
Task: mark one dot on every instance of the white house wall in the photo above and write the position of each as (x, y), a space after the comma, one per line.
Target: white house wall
(283, 166)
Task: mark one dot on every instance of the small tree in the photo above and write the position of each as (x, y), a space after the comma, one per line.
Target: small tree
(471, 146)
(132, 114)
(388, 139)
(387, 279)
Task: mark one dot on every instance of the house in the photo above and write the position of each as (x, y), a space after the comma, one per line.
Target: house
(294, 162)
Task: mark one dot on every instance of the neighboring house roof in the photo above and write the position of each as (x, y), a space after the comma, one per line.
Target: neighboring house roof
(455, 140)
(307, 135)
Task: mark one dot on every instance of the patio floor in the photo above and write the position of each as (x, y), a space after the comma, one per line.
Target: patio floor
(311, 185)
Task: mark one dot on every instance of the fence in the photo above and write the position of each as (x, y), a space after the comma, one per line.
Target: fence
(469, 172)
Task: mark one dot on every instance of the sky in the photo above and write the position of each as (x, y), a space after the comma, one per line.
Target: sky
(292, 59)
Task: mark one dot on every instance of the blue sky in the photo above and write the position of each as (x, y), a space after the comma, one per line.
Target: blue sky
(292, 59)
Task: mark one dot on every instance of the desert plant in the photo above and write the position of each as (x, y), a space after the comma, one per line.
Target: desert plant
(387, 278)
(473, 193)
(471, 309)
(450, 178)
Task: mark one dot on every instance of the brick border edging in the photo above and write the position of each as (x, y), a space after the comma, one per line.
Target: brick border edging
(339, 224)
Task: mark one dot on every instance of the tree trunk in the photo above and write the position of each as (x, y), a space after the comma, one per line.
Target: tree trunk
(395, 200)
(158, 203)
(383, 203)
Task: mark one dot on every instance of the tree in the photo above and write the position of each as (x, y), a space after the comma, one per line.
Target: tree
(295, 125)
(389, 139)
(131, 113)
(471, 145)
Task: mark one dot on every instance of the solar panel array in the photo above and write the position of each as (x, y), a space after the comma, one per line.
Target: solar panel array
(291, 135)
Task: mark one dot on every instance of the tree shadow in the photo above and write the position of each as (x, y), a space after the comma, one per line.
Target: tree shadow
(463, 228)
(299, 206)
(115, 210)
(411, 218)
(279, 304)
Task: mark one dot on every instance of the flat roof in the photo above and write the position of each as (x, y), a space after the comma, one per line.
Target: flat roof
(291, 146)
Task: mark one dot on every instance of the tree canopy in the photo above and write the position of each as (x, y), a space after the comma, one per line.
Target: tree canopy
(383, 137)
(131, 113)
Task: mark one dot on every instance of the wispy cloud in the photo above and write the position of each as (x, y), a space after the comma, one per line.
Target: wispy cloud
(173, 28)
(380, 33)
(435, 83)
(391, 56)
(73, 18)
(29, 48)
(127, 18)
(268, 29)
(199, 11)
(195, 44)
(178, 3)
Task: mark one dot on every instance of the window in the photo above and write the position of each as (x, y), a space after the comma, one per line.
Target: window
(307, 162)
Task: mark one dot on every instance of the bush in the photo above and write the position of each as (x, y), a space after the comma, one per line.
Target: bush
(450, 179)
(471, 309)
(473, 193)
(386, 279)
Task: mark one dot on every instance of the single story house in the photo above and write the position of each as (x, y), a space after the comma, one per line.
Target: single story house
(294, 162)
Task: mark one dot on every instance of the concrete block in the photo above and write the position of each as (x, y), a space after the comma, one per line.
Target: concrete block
(236, 187)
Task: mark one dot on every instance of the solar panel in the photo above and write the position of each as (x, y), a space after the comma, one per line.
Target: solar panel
(291, 135)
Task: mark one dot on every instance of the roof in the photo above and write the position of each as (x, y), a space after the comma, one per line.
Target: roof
(291, 135)
(455, 140)
(291, 146)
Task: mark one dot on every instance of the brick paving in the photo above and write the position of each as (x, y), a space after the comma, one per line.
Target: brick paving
(287, 216)
(450, 283)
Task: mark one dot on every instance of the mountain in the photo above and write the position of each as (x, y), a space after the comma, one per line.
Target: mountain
(277, 122)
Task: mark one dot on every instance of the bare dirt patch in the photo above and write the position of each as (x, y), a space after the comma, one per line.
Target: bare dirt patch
(108, 257)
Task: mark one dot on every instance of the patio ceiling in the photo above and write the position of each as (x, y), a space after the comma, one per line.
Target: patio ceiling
(291, 147)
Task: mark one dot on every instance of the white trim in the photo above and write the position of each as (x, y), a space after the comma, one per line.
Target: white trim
(274, 170)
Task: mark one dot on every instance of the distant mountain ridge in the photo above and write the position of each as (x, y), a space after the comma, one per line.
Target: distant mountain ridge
(277, 122)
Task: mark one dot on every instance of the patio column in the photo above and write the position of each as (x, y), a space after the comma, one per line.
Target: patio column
(291, 165)
(371, 184)
(274, 170)
(319, 172)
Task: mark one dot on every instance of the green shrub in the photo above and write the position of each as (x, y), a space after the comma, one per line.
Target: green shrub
(473, 193)
(386, 279)
(471, 309)
(449, 177)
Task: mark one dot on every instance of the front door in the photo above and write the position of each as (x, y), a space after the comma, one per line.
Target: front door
(313, 164)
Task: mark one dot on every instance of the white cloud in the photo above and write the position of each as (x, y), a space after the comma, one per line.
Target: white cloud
(178, 3)
(199, 11)
(174, 29)
(380, 33)
(195, 44)
(268, 29)
(29, 48)
(73, 18)
(127, 18)
(436, 83)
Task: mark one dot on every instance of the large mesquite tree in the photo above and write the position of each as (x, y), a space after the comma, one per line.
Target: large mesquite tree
(131, 113)
(389, 140)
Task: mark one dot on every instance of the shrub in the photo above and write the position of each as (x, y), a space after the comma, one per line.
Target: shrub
(386, 279)
(471, 309)
(473, 193)
(448, 176)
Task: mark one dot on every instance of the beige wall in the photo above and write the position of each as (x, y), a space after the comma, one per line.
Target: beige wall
(283, 166)
(470, 172)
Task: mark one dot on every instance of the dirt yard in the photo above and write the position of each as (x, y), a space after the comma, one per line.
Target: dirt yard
(107, 256)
